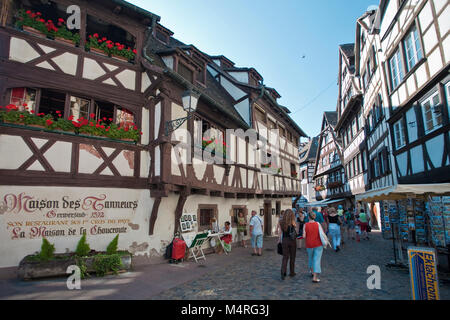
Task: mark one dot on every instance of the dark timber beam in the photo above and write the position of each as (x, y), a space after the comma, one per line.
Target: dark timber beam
(154, 215)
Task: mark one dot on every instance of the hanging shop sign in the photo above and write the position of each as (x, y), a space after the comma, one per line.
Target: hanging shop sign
(423, 273)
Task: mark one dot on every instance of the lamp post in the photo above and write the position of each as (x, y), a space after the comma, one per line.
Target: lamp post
(190, 100)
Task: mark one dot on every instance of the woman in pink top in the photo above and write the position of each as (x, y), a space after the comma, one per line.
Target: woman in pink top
(314, 246)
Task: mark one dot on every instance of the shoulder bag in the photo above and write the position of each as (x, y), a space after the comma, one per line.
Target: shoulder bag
(323, 237)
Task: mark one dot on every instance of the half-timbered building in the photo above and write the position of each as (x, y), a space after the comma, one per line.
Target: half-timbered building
(350, 124)
(415, 42)
(369, 68)
(308, 152)
(59, 183)
(330, 179)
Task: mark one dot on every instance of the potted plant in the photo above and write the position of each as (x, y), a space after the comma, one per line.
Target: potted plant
(97, 45)
(48, 264)
(106, 47)
(64, 35)
(32, 22)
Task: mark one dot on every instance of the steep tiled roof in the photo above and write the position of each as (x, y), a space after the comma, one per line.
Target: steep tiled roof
(311, 150)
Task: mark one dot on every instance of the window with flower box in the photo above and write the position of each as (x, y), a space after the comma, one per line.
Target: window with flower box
(207, 134)
(109, 39)
(23, 98)
(45, 19)
(294, 173)
(58, 110)
(52, 102)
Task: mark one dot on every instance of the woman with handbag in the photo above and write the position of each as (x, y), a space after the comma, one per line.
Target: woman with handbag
(289, 237)
(316, 240)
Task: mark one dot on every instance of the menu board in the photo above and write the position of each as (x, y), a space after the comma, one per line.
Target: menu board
(419, 213)
(434, 210)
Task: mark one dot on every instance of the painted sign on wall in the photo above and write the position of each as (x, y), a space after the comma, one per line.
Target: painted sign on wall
(423, 273)
(31, 216)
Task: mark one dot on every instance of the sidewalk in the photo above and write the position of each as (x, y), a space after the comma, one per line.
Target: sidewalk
(144, 282)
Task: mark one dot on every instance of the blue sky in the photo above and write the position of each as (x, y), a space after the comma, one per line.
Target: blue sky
(272, 37)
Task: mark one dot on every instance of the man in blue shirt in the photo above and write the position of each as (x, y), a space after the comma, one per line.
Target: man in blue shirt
(256, 233)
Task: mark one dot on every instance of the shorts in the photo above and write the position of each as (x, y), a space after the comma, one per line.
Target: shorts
(257, 241)
(363, 226)
(241, 235)
(350, 225)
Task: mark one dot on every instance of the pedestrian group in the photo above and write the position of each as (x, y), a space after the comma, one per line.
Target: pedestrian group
(300, 228)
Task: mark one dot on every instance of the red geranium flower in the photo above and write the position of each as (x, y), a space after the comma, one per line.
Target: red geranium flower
(22, 116)
(91, 124)
(32, 111)
(71, 118)
(95, 35)
(49, 122)
(92, 115)
(134, 51)
(110, 119)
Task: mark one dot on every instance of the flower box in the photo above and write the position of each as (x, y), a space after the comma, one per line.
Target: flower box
(120, 58)
(65, 41)
(34, 32)
(30, 269)
(99, 51)
(36, 126)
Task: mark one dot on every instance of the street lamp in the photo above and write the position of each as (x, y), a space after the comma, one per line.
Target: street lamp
(190, 100)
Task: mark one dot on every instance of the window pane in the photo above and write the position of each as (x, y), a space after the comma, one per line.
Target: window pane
(52, 101)
(79, 108)
(23, 97)
(124, 118)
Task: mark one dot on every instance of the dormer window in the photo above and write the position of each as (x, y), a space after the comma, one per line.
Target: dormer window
(162, 36)
(186, 72)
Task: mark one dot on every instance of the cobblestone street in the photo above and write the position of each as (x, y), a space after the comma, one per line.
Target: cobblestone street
(344, 277)
(239, 276)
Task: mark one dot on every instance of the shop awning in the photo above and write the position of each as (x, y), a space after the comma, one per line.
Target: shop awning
(334, 201)
(314, 204)
(405, 191)
(322, 203)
